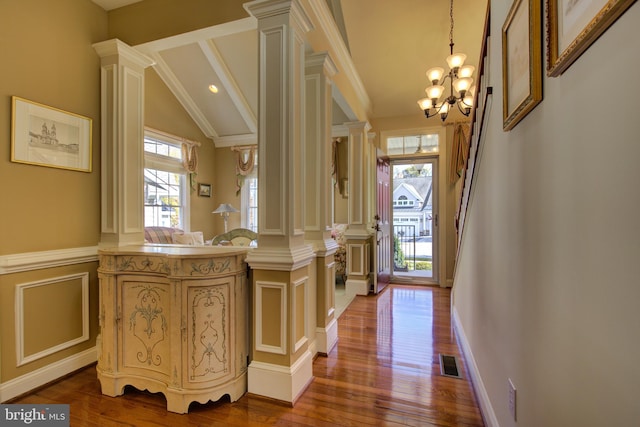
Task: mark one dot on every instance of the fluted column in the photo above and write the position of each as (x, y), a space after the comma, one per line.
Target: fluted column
(358, 232)
(318, 215)
(122, 139)
(281, 365)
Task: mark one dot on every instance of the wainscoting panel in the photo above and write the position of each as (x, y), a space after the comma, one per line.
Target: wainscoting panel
(43, 328)
(271, 309)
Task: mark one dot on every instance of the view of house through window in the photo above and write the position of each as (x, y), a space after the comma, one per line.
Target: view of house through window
(165, 184)
(413, 214)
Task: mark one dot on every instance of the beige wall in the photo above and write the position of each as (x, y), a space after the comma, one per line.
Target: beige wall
(546, 289)
(145, 21)
(48, 58)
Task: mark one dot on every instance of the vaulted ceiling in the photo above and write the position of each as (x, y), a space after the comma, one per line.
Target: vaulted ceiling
(392, 44)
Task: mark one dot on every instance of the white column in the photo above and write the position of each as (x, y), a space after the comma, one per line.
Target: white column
(318, 196)
(281, 365)
(358, 232)
(122, 136)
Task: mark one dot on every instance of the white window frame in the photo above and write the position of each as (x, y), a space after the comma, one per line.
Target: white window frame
(244, 196)
(164, 163)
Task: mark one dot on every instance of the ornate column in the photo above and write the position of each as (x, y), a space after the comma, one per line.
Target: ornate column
(318, 214)
(281, 365)
(358, 232)
(122, 136)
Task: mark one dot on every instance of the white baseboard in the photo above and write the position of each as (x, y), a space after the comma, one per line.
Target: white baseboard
(357, 287)
(46, 374)
(279, 382)
(488, 413)
(327, 337)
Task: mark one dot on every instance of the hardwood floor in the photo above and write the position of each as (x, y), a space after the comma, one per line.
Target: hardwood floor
(384, 371)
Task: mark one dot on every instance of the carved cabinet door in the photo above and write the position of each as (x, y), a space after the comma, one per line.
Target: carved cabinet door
(144, 312)
(208, 310)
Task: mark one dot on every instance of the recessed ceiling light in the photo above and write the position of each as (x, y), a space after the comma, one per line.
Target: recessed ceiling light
(213, 88)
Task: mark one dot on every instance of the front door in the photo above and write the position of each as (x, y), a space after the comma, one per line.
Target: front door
(382, 259)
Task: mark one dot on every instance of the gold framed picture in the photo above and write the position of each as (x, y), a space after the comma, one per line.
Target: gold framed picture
(573, 25)
(47, 136)
(521, 61)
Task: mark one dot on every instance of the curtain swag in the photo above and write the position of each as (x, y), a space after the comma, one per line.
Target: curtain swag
(245, 162)
(459, 152)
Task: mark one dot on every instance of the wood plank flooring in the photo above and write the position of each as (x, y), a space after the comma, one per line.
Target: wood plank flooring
(384, 371)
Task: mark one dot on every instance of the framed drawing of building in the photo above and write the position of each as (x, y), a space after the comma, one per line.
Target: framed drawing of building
(46, 136)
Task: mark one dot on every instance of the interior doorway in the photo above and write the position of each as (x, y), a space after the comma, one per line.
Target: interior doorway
(414, 212)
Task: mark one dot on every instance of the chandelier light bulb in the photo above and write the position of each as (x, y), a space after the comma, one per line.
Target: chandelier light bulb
(425, 103)
(435, 74)
(434, 92)
(466, 71)
(463, 84)
(468, 101)
(456, 60)
(472, 90)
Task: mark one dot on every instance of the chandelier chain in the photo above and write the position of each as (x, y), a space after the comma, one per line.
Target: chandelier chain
(451, 28)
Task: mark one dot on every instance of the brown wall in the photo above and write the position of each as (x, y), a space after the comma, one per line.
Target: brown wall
(48, 58)
(156, 19)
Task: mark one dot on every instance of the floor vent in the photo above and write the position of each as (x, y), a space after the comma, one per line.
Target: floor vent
(449, 366)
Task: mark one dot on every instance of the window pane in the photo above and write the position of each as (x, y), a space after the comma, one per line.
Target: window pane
(163, 195)
(162, 148)
(412, 144)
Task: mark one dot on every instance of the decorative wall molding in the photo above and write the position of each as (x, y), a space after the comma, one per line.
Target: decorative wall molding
(46, 374)
(486, 409)
(21, 357)
(27, 261)
(299, 286)
(260, 345)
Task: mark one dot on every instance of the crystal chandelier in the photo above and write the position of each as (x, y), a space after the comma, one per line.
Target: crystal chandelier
(460, 80)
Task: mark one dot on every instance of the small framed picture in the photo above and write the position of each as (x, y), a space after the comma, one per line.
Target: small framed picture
(204, 190)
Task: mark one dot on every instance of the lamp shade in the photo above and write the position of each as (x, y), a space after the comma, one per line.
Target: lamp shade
(225, 208)
(456, 60)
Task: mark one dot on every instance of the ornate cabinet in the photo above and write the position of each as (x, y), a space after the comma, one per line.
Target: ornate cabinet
(174, 320)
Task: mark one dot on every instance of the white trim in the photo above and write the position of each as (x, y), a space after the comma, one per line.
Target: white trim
(327, 337)
(21, 358)
(486, 409)
(260, 346)
(27, 382)
(342, 56)
(357, 286)
(284, 383)
(27, 261)
(214, 57)
(294, 318)
(233, 140)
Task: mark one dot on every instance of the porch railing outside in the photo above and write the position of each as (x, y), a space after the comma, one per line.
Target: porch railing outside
(404, 247)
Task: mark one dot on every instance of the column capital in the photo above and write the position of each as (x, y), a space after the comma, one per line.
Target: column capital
(364, 126)
(115, 47)
(324, 60)
(263, 9)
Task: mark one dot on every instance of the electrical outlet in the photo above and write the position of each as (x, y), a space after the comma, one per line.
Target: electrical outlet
(512, 399)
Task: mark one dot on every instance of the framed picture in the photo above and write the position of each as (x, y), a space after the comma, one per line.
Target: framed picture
(573, 25)
(521, 61)
(204, 190)
(47, 136)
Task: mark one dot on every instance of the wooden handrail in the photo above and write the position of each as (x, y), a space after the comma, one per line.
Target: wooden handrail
(476, 128)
